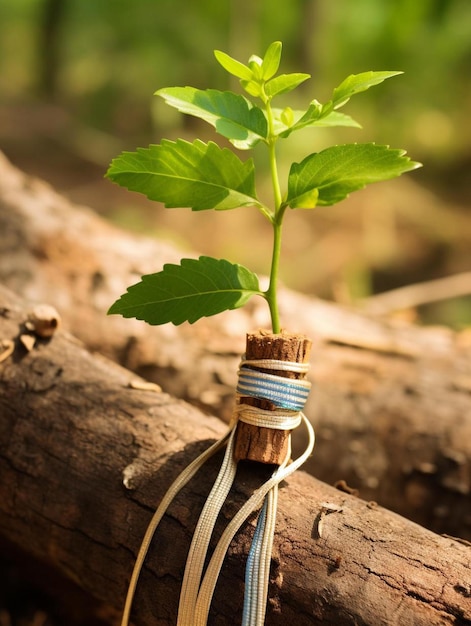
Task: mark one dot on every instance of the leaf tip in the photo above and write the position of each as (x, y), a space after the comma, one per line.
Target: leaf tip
(114, 308)
(415, 165)
(109, 174)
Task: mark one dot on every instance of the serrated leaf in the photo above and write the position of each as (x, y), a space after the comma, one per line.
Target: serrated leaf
(339, 170)
(284, 83)
(356, 83)
(182, 174)
(187, 292)
(271, 60)
(232, 115)
(234, 67)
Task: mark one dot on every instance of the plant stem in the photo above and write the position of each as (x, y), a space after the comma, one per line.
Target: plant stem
(272, 158)
(271, 294)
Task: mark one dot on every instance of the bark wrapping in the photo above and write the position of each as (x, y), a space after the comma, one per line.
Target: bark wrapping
(267, 445)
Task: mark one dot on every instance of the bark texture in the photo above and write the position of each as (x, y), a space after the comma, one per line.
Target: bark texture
(85, 458)
(391, 403)
(266, 445)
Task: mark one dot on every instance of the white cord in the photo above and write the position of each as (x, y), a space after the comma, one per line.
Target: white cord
(259, 559)
(186, 475)
(202, 535)
(254, 502)
(196, 595)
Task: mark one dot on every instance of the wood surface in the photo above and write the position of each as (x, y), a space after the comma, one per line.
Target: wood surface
(85, 456)
(391, 402)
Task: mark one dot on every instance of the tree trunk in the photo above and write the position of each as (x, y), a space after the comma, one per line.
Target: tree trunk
(49, 46)
(85, 458)
(391, 403)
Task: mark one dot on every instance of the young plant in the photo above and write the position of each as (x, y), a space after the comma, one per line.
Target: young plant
(204, 176)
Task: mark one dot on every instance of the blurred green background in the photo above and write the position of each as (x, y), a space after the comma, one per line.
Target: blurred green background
(76, 85)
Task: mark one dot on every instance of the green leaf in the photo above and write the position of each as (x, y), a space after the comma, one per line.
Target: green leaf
(232, 115)
(234, 67)
(252, 87)
(306, 200)
(356, 83)
(285, 125)
(187, 292)
(337, 171)
(301, 119)
(335, 118)
(182, 174)
(286, 116)
(284, 83)
(319, 114)
(271, 60)
(255, 64)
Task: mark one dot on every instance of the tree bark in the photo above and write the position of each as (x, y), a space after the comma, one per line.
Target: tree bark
(255, 443)
(391, 403)
(85, 458)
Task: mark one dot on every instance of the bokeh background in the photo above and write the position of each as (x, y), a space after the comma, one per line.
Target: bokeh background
(76, 87)
(77, 79)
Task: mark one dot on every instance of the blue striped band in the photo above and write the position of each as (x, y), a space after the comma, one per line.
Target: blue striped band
(285, 393)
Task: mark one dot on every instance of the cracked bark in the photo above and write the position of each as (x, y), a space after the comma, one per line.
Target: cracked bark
(84, 459)
(391, 403)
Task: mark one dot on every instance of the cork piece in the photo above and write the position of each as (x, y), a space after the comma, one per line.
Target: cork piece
(255, 443)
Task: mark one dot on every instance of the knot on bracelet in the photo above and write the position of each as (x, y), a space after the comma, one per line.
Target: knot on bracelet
(288, 395)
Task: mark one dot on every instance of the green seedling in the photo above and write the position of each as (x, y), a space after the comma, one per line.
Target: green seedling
(204, 176)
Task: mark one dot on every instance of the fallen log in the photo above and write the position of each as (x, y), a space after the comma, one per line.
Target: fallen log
(391, 402)
(85, 456)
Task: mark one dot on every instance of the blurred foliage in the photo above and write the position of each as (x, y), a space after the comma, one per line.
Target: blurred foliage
(101, 61)
(109, 57)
